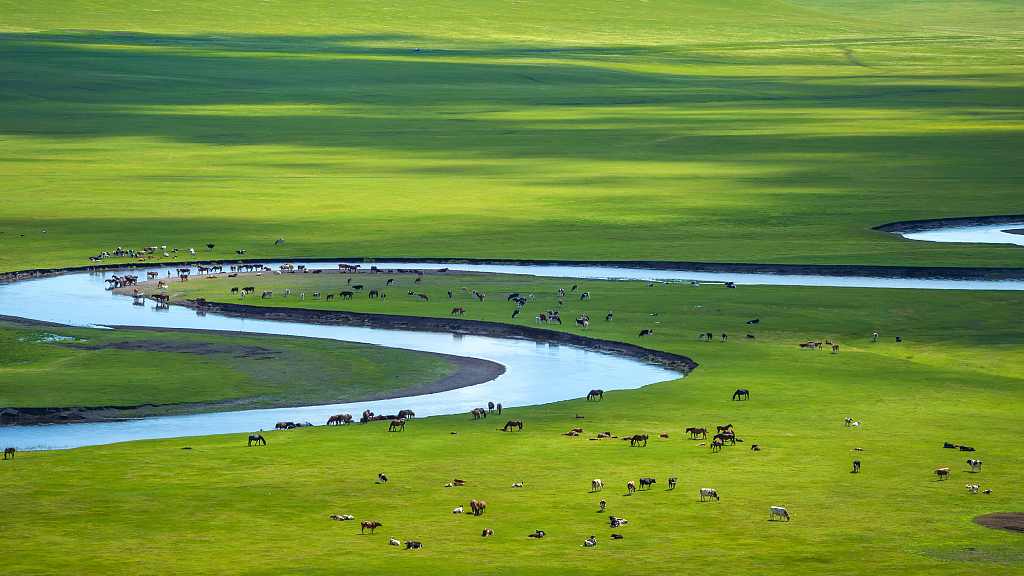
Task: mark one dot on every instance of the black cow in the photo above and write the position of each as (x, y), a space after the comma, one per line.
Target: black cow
(382, 478)
(647, 482)
(409, 545)
(754, 321)
(646, 333)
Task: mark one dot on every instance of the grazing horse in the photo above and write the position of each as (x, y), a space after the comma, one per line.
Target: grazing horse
(347, 294)
(374, 293)
(490, 407)
(724, 428)
(716, 446)
(478, 413)
(368, 524)
(498, 406)
(741, 394)
(10, 450)
(513, 424)
(731, 436)
(258, 439)
(397, 425)
(637, 438)
(336, 420)
(406, 414)
(693, 432)
(596, 395)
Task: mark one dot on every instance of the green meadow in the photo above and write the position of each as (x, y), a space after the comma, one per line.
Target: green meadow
(736, 131)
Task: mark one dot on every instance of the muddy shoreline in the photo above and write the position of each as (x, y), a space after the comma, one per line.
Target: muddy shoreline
(919, 225)
(468, 372)
(909, 272)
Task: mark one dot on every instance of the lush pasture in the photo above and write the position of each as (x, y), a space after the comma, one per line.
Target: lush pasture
(52, 367)
(222, 507)
(749, 130)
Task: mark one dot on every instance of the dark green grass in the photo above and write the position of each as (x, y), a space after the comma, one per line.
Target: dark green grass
(749, 131)
(193, 371)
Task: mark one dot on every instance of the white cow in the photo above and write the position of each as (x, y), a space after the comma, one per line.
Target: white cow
(972, 488)
(780, 512)
(457, 510)
(708, 493)
(395, 542)
(975, 464)
(596, 484)
(592, 541)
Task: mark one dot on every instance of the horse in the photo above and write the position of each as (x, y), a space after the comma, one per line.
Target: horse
(636, 438)
(741, 394)
(258, 439)
(596, 395)
(512, 424)
(693, 432)
(490, 407)
(717, 445)
(397, 425)
(10, 450)
(724, 428)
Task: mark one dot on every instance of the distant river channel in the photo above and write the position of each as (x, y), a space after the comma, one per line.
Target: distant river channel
(536, 373)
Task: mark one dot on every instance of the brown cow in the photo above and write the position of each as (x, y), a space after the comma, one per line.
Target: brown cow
(631, 486)
(369, 524)
(488, 532)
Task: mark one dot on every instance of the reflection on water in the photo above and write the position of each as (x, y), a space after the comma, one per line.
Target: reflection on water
(990, 234)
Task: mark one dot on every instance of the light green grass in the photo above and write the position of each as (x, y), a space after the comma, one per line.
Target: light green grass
(741, 131)
(95, 368)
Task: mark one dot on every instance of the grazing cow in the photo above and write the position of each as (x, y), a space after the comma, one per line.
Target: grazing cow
(536, 534)
(382, 479)
(488, 532)
(663, 435)
(592, 541)
(608, 318)
(754, 321)
(462, 311)
(856, 466)
(631, 486)
(575, 287)
(603, 504)
(647, 482)
(268, 294)
(358, 287)
(458, 482)
(649, 333)
(561, 291)
(316, 295)
(986, 491)
(517, 485)
(409, 545)
(709, 493)
(943, 473)
(672, 483)
(595, 485)
(418, 280)
(874, 337)
(397, 425)
(513, 424)
(330, 297)
(457, 510)
(693, 432)
(585, 296)
(481, 296)
(423, 297)
(741, 394)
(849, 421)
(394, 542)
(972, 488)
(975, 464)
(716, 445)
(637, 438)
(616, 522)
(586, 324)
(835, 348)
(780, 512)
(10, 450)
(898, 339)
(258, 439)
(755, 448)
(596, 395)
(368, 524)
(966, 449)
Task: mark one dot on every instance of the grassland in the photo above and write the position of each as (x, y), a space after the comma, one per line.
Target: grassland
(184, 372)
(740, 131)
(150, 508)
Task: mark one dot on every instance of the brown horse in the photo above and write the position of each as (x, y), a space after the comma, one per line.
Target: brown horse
(724, 428)
(480, 506)
(512, 424)
(397, 425)
(258, 439)
(716, 446)
(637, 438)
(10, 450)
(694, 432)
(596, 395)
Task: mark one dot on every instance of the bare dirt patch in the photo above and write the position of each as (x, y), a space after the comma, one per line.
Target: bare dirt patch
(1008, 521)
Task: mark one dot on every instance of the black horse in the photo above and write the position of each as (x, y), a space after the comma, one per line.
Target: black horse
(741, 394)
(258, 439)
(596, 395)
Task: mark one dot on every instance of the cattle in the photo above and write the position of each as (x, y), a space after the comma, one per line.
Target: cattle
(512, 296)
(603, 504)
(536, 534)
(966, 449)
(368, 524)
(409, 545)
(458, 482)
(943, 473)
(741, 394)
(462, 311)
(672, 483)
(663, 435)
(316, 295)
(258, 439)
(585, 296)
(561, 291)
(717, 444)
(649, 333)
(780, 512)
(595, 395)
(488, 532)
(856, 466)
(358, 287)
(972, 488)
(948, 445)
(849, 421)
(755, 448)
(898, 339)
(694, 432)
(855, 424)
(513, 424)
(418, 280)
(709, 493)
(637, 438)
(754, 321)
(616, 522)
(373, 294)
(457, 510)
(586, 324)
(346, 294)
(647, 482)
(592, 541)
(330, 297)
(279, 241)
(268, 294)
(10, 451)
(394, 542)
(608, 318)
(423, 297)
(481, 296)
(631, 486)
(382, 479)
(398, 425)
(517, 485)
(975, 464)
(730, 284)
(617, 536)
(342, 517)
(874, 337)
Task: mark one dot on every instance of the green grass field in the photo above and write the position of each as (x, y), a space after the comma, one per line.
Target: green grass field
(739, 131)
(192, 372)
